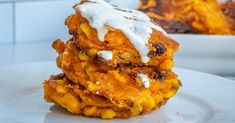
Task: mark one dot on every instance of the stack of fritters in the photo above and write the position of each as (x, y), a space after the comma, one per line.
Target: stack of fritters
(120, 86)
(191, 16)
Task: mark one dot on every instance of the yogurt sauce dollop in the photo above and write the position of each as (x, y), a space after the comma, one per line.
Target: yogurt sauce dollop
(144, 79)
(107, 55)
(134, 24)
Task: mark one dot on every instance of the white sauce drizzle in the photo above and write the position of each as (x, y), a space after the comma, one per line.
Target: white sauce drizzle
(145, 80)
(134, 24)
(107, 55)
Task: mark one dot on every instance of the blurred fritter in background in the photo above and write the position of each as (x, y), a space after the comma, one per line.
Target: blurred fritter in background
(192, 16)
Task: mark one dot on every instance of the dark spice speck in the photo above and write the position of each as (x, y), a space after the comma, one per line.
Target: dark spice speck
(158, 75)
(160, 49)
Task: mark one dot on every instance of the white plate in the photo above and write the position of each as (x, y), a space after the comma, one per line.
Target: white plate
(204, 98)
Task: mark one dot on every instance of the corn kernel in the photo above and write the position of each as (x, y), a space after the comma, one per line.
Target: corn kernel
(167, 65)
(71, 101)
(127, 55)
(151, 103)
(170, 94)
(61, 89)
(175, 83)
(92, 86)
(83, 56)
(83, 64)
(92, 51)
(108, 114)
(169, 52)
(60, 82)
(152, 3)
(90, 111)
(86, 29)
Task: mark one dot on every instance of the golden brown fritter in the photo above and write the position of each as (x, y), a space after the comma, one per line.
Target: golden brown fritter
(83, 100)
(162, 46)
(75, 59)
(188, 16)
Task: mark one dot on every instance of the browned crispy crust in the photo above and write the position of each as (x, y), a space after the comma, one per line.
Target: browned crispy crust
(124, 52)
(79, 99)
(228, 9)
(188, 16)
